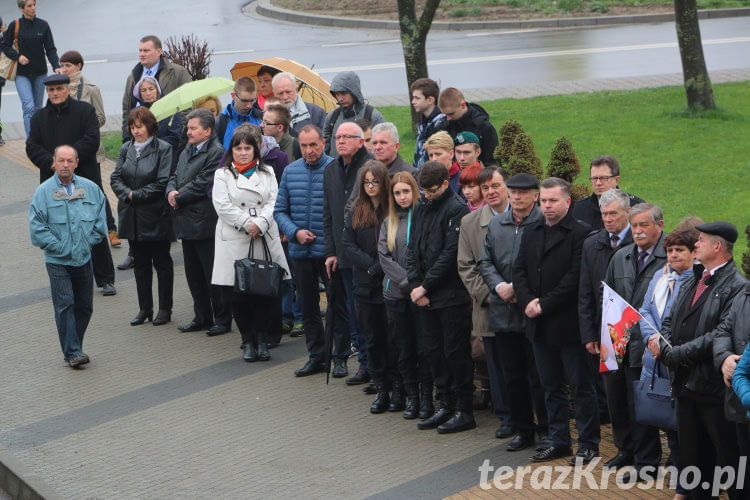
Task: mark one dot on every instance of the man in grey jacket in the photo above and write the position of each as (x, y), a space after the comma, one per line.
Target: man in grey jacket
(629, 273)
(510, 345)
(195, 223)
(345, 87)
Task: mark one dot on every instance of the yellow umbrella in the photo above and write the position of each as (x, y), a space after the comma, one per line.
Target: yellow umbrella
(310, 86)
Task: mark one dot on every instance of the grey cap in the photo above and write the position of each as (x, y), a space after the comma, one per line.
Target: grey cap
(523, 181)
(56, 79)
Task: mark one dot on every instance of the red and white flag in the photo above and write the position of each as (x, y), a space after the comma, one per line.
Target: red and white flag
(617, 318)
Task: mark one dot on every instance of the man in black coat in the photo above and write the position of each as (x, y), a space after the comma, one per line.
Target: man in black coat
(704, 301)
(545, 276)
(604, 174)
(195, 222)
(629, 273)
(445, 305)
(338, 185)
(65, 120)
(465, 116)
(597, 251)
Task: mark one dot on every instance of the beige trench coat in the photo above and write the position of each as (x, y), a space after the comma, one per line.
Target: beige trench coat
(470, 244)
(238, 202)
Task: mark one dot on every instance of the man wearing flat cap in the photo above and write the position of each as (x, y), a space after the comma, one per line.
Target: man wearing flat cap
(65, 120)
(701, 357)
(506, 320)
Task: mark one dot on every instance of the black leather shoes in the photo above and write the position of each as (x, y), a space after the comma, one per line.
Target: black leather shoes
(339, 368)
(504, 431)
(520, 442)
(311, 367)
(126, 264)
(460, 421)
(584, 455)
(217, 330)
(619, 460)
(370, 389)
(163, 317)
(193, 326)
(263, 354)
(250, 353)
(141, 317)
(552, 453)
(382, 401)
(438, 418)
(361, 377)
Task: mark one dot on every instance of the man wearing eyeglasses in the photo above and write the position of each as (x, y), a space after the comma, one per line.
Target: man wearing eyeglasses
(444, 304)
(239, 111)
(275, 123)
(339, 181)
(604, 175)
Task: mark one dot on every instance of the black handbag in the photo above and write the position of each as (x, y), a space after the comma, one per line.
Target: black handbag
(654, 403)
(258, 276)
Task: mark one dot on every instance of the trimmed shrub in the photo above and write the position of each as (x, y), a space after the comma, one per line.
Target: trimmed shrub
(523, 158)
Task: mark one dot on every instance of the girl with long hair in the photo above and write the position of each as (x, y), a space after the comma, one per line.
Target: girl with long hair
(361, 226)
(402, 314)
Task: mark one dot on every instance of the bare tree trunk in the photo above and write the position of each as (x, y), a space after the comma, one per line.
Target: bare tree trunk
(697, 82)
(413, 41)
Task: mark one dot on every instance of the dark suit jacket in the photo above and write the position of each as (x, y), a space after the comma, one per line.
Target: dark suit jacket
(548, 266)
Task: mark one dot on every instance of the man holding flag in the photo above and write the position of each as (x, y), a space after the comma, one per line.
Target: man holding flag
(629, 274)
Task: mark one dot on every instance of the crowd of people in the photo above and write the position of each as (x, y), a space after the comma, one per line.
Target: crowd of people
(431, 267)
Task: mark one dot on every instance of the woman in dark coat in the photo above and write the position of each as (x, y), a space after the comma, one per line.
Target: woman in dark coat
(139, 182)
(34, 42)
(361, 229)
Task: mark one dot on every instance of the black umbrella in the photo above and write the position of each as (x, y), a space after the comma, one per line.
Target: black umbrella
(330, 325)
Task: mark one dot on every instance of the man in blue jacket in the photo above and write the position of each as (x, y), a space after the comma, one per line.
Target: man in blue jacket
(299, 213)
(66, 218)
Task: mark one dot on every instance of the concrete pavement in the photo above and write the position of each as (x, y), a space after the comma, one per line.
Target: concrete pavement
(161, 414)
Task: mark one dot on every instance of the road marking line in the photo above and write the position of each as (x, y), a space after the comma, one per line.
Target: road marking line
(494, 33)
(224, 52)
(531, 55)
(352, 44)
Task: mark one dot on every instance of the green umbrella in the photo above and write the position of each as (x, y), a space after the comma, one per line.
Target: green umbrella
(185, 95)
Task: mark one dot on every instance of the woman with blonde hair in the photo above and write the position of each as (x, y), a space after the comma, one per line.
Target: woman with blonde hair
(401, 313)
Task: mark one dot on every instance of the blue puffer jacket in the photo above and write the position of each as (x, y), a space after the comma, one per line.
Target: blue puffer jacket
(299, 205)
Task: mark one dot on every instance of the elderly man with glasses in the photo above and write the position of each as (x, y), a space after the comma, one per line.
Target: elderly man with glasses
(604, 175)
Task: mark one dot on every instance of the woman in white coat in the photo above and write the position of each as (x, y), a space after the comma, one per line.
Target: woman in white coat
(244, 195)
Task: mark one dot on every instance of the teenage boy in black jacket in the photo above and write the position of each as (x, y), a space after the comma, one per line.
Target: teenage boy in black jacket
(445, 306)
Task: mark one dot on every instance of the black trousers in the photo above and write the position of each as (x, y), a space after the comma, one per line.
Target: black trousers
(707, 439)
(373, 326)
(208, 306)
(498, 386)
(524, 390)
(307, 274)
(101, 260)
(407, 337)
(556, 364)
(250, 312)
(156, 254)
(447, 333)
(640, 441)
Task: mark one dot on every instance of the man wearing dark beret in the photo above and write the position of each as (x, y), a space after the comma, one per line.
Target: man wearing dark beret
(701, 355)
(65, 120)
(517, 361)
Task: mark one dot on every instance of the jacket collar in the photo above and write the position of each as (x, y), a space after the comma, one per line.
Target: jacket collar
(358, 157)
(322, 162)
(485, 215)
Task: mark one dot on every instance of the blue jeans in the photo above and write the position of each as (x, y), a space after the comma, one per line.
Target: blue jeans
(358, 342)
(72, 291)
(31, 93)
(291, 306)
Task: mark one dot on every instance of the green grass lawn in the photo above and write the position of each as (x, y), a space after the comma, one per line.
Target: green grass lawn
(689, 164)
(112, 142)
(476, 8)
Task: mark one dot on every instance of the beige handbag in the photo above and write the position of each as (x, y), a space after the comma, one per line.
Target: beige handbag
(8, 66)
